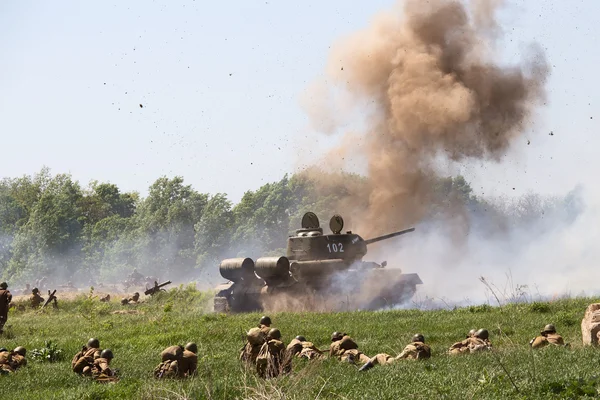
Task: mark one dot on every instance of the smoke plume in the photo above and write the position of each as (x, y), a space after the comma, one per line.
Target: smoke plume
(428, 76)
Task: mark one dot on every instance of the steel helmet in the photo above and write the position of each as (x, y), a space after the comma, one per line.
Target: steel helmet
(108, 354)
(191, 346)
(20, 350)
(418, 338)
(482, 334)
(274, 334)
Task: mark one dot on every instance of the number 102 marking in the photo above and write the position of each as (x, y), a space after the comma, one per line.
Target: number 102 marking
(335, 247)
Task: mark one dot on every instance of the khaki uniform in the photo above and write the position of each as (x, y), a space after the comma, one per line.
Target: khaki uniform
(550, 338)
(100, 371)
(171, 358)
(412, 351)
(188, 364)
(5, 299)
(272, 359)
(256, 338)
(264, 329)
(300, 349)
(346, 349)
(167, 369)
(36, 300)
(85, 358)
(10, 361)
(18, 361)
(470, 345)
(127, 300)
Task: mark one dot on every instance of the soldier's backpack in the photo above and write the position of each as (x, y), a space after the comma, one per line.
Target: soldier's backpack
(166, 369)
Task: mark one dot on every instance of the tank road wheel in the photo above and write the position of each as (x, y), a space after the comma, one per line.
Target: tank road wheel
(221, 305)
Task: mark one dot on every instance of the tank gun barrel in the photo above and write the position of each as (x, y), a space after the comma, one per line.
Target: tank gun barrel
(388, 236)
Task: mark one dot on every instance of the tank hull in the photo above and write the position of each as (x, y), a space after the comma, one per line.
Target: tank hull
(355, 289)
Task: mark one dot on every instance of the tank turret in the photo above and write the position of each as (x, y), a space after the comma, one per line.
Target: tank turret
(313, 260)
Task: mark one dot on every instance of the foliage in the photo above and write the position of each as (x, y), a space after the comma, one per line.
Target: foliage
(50, 352)
(137, 339)
(52, 226)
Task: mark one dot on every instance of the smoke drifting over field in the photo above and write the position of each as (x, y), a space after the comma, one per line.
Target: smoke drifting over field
(428, 76)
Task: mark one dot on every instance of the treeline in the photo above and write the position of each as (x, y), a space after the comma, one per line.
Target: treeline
(52, 226)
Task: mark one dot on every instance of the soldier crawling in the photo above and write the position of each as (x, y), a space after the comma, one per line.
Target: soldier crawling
(344, 348)
(547, 336)
(416, 350)
(255, 338)
(272, 359)
(10, 361)
(301, 348)
(478, 342)
(86, 357)
(133, 299)
(177, 362)
(100, 369)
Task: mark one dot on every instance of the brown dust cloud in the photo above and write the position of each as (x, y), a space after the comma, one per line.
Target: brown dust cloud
(428, 78)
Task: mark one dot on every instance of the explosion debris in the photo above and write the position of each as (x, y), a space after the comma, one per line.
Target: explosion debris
(434, 88)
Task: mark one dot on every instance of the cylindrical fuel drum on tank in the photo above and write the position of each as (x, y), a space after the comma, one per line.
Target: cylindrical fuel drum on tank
(236, 269)
(272, 268)
(317, 268)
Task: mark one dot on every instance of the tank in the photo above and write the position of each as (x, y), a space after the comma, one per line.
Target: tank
(320, 272)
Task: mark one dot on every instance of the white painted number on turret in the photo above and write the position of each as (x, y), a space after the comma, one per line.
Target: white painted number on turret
(335, 247)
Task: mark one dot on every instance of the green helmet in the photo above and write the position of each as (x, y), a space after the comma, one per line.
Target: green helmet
(471, 333)
(3, 285)
(301, 338)
(549, 329)
(482, 334)
(35, 290)
(335, 336)
(20, 350)
(108, 354)
(418, 338)
(265, 321)
(191, 346)
(274, 334)
(93, 343)
(2, 349)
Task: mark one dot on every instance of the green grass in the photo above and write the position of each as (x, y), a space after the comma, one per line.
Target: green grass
(180, 316)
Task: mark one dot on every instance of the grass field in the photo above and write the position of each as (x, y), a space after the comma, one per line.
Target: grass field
(512, 370)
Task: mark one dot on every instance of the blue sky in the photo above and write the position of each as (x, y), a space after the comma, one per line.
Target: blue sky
(220, 84)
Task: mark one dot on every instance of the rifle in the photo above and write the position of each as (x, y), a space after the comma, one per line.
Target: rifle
(153, 290)
(50, 298)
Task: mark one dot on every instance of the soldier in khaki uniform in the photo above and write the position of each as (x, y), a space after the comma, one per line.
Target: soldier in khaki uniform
(478, 342)
(85, 358)
(5, 299)
(133, 299)
(416, 350)
(189, 360)
(255, 338)
(265, 324)
(35, 300)
(170, 362)
(10, 361)
(547, 336)
(272, 359)
(301, 348)
(105, 299)
(344, 348)
(100, 369)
